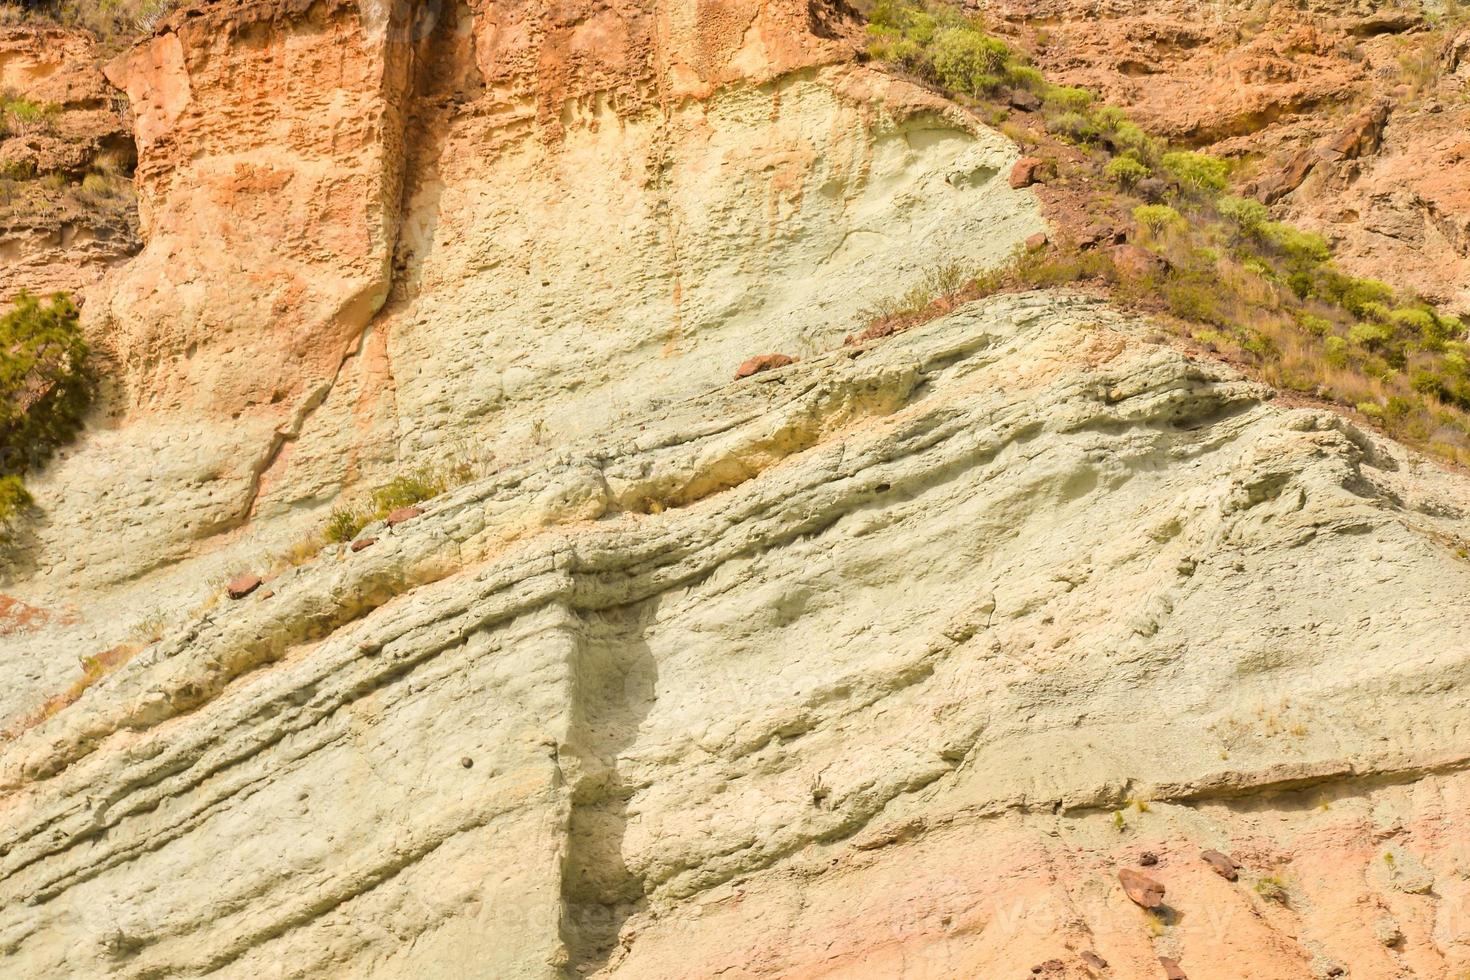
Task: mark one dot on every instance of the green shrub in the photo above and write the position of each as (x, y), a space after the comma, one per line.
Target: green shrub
(1127, 171)
(344, 524)
(1197, 171)
(404, 490)
(1303, 249)
(1024, 76)
(1370, 335)
(1156, 217)
(13, 497)
(968, 61)
(1351, 293)
(1129, 137)
(98, 185)
(1421, 322)
(1247, 215)
(1073, 125)
(45, 388)
(1377, 312)
(1335, 351)
(28, 111)
(1066, 99)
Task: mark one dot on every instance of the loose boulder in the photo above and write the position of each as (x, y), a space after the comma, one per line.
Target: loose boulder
(1142, 890)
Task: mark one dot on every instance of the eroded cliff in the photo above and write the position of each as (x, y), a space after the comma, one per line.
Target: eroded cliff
(881, 663)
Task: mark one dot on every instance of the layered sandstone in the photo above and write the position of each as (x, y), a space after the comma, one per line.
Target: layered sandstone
(861, 696)
(881, 662)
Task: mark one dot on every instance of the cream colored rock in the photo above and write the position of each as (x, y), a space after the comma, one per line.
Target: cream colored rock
(861, 698)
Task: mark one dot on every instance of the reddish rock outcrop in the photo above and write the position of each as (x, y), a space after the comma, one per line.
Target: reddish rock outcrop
(1274, 86)
(761, 363)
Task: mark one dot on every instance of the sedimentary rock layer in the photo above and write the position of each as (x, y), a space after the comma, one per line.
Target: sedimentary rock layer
(863, 653)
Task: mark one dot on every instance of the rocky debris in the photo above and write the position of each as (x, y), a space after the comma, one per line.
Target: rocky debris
(1093, 961)
(1172, 969)
(1031, 170)
(1037, 242)
(1141, 890)
(1385, 22)
(362, 544)
(1137, 262)
(1360, 136)
(763, 363)
(67, 212)
(1387, 931)
(242, 585)
(1051, 968)
(403, 515)
(1275, 185)
(1023, 100)
(1221, 864)
(1152, 189)
(1406, 873)
(1148, 859)
(1096, 235)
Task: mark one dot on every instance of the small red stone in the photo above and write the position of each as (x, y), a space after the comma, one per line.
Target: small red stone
(1172, 970)
(1224, 866)
(1094, 961)
(242, 586)
(364, 543)
(403, 514)
(1036, 242)
(765, 362)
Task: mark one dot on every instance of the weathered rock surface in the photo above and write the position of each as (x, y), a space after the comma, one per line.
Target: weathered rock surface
(883, 663)
(871, 683)
(55, 234)
(699, 194)
(1352, 118)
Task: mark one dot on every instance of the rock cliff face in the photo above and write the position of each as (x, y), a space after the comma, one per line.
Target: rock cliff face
(60, 122)
(881, 663)
(1351, 114)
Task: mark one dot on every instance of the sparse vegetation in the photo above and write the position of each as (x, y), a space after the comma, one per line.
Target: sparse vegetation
(115, 22)
(1272, 888)
(405, 490)
(19, 114)
(1261, 293)
(45, 389)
